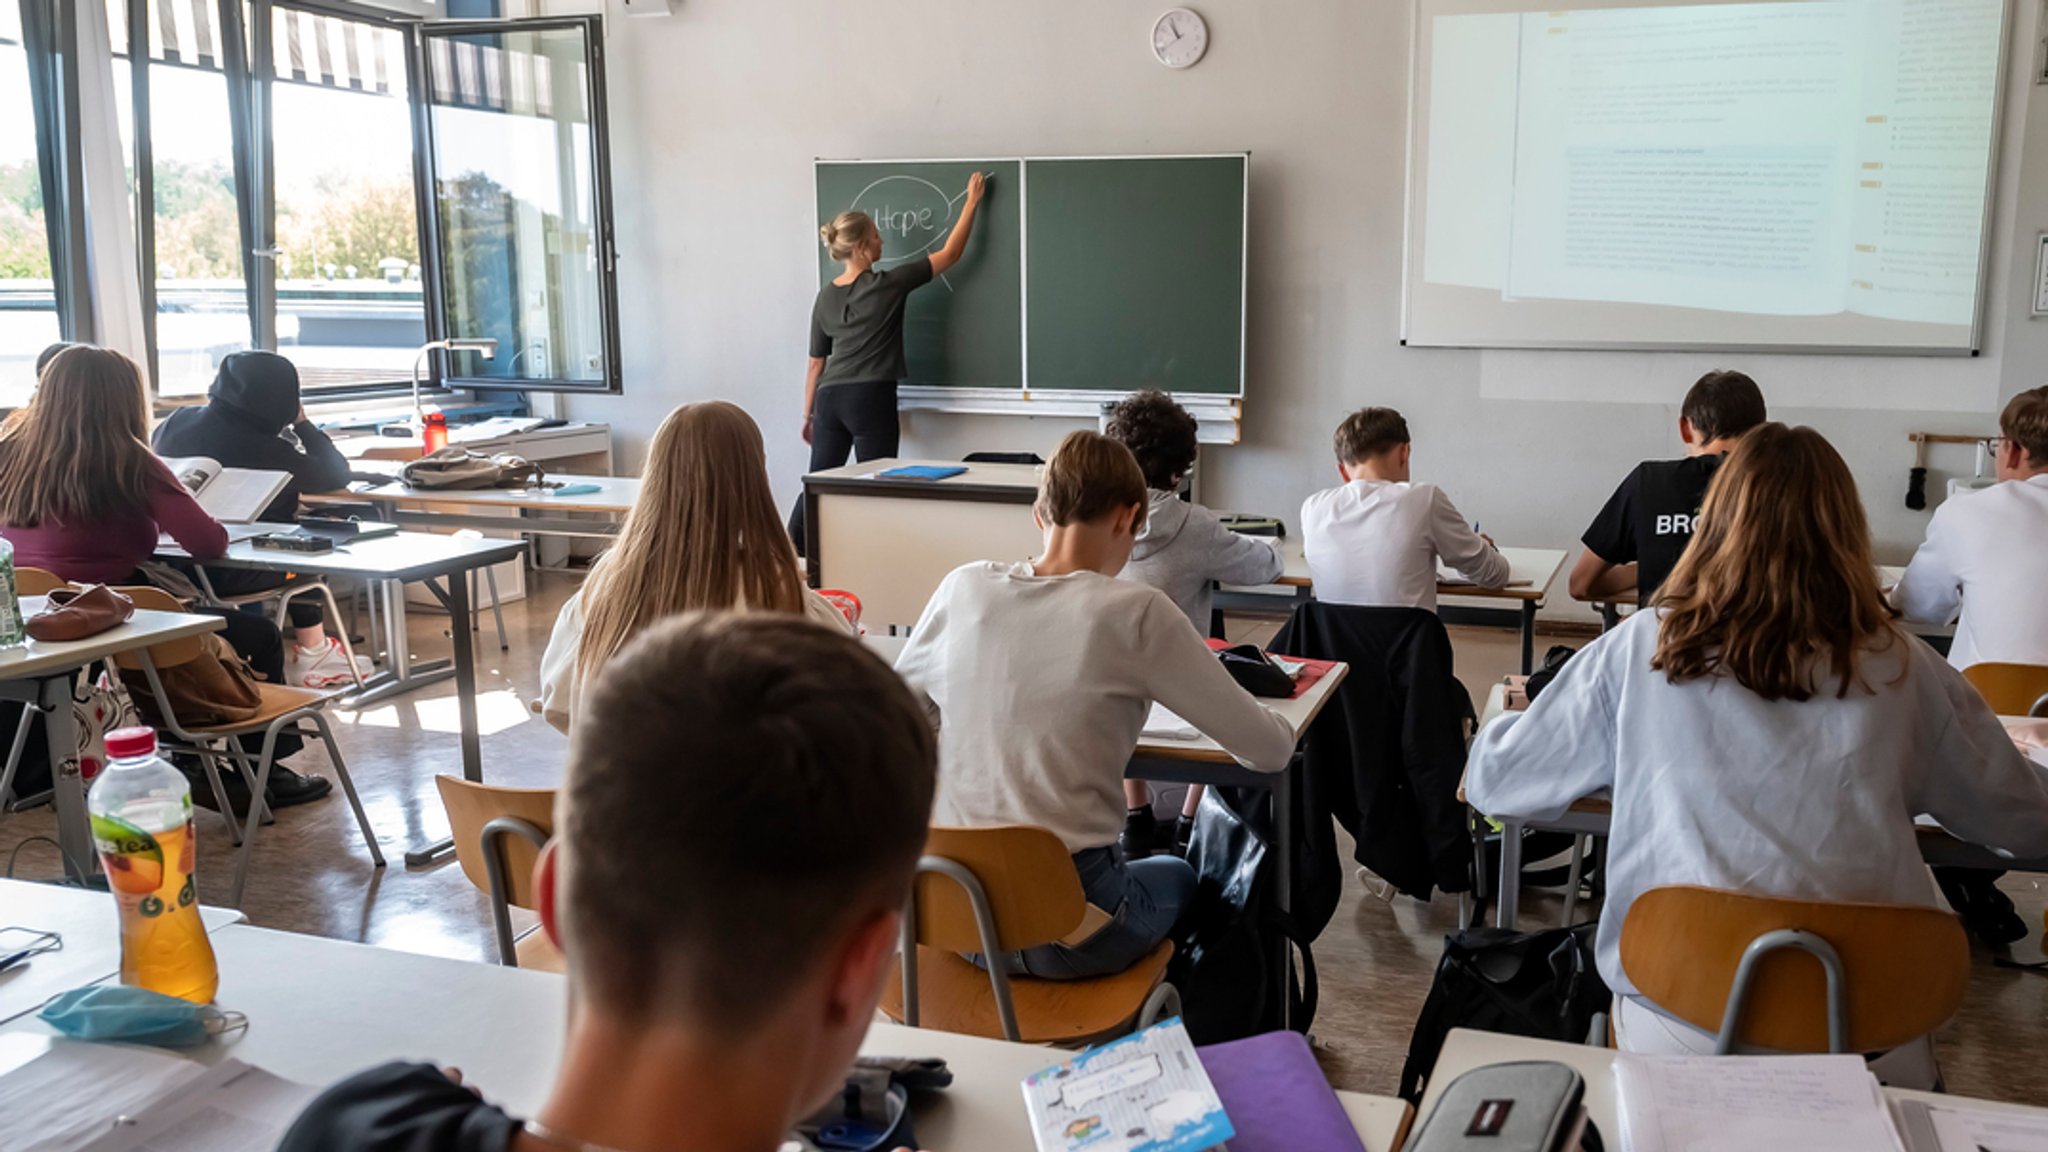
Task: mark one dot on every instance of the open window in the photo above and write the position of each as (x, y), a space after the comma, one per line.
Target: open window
(515, 165)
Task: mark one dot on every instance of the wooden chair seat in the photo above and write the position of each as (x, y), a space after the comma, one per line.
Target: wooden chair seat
(277, 700)
(955, 996)
(536, 951)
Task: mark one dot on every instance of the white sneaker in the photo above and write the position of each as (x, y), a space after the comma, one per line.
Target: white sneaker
(328, 667)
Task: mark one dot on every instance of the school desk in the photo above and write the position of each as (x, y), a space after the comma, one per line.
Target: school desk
(41, 675)
(1203, 761)
(539, 512)
(320, 1010)
(89, 926)
(1594, 816)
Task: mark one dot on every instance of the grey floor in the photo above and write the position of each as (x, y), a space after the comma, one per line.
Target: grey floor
(310, 872)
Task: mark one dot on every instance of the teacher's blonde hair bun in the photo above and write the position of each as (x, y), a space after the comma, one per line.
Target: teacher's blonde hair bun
(848, 233)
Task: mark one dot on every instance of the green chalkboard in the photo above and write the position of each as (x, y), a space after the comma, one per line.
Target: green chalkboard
(1135, 274)
(966, 329)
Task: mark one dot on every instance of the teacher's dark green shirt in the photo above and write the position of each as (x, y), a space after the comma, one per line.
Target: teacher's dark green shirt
(858, 327)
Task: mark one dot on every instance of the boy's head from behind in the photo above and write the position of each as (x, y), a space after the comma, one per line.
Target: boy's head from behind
(2023, 435)
(1159, 432)
(1720, 406)
(1373, 444)
(746, 799)
(1093, 492)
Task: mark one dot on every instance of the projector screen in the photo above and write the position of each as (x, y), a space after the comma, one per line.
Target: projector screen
(1808, 176)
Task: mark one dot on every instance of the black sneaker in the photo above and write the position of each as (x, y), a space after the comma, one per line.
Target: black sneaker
(1140, 826)
(288, 788)
(1183, 835)
(1987, 913)
(202, 789)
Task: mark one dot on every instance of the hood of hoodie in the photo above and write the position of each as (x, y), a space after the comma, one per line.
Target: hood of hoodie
(1165, 516)
(257, 388)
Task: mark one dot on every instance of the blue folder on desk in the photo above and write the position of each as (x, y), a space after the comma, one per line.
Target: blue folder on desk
(921, 472)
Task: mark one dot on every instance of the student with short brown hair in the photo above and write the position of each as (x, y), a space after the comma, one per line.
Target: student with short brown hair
(1039, 675)
(1375, 540)
(1766, 727)
(722, 979)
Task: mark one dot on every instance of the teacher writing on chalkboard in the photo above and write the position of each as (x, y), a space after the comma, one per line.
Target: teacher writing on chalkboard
(857, 340)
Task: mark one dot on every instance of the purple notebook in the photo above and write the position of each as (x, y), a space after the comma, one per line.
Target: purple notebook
(1277, 1097)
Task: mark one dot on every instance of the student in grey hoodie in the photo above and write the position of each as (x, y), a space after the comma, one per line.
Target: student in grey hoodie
(1184, 551)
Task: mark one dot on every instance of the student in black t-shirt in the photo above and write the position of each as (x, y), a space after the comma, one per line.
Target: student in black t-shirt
(1638, 537)
(722, 979)
(857, 340)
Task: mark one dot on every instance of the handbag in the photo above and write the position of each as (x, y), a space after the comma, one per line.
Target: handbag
(1255, 672)
(76, 613)
(454, 469)
(1226, 970)
(213, 688)
(1540, 984)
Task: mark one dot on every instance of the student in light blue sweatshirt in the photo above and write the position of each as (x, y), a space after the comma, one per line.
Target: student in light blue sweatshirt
(1184, 551)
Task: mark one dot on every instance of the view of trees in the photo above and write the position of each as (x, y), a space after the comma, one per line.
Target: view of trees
(337, 219)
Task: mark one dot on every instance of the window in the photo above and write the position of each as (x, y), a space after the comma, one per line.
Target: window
(28, 301)
(350, 309)
(521, 199)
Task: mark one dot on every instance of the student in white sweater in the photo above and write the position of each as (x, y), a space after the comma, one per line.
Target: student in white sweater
(1039, 676)
(1986, 558)
(1775, 736)
(1184, 551)
(703, 534)
(1375, 540)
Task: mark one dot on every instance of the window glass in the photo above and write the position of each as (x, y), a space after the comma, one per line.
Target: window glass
(28, 301)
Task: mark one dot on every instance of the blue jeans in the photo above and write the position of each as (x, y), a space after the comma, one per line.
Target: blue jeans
(1145, 899)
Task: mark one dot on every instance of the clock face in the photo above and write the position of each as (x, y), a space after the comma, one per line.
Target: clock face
(1179, 38)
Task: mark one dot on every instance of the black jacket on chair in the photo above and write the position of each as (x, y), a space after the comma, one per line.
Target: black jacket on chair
(1385, 757)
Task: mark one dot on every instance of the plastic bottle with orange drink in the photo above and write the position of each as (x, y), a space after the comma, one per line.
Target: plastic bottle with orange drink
(141, 812)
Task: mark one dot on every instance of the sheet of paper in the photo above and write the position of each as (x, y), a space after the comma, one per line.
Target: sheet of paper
(66, 1097)
(1162, 724)
(1964, 1129)
(1744, 1103)
(232, 1108)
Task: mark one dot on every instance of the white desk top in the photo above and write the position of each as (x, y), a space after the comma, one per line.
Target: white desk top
(90, 927)
(1465, 1050)
(1530, 572)
(615, 494)
(1300, 711)
(146, 627)
(320, 1010)
(402, 556)
(1021, 476)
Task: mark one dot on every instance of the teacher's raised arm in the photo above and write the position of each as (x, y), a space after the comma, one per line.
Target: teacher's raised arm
(857, 340)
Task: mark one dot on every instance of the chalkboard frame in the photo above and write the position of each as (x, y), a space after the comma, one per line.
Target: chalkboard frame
(943, 397)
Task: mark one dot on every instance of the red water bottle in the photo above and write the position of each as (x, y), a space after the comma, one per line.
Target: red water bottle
(435, 429)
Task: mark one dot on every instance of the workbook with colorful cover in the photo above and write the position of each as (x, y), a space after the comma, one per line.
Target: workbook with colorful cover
(1147, 1092)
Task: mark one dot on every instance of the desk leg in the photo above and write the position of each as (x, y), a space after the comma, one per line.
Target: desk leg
(401, 675)
(455, 595)
(1283, 875)
(1528, 636)
(74, 830)
(1508, 900)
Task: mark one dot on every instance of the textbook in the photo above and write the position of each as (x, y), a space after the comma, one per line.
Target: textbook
(920, 472)
(229, 495)
(66, 1096)
(1147, 1091)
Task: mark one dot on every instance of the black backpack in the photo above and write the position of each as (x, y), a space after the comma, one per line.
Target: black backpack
(1541, 984)
(1225, 968)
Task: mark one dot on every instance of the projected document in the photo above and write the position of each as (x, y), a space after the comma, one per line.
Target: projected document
(1699, 165)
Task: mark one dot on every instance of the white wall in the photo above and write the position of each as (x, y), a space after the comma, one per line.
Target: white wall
(718, 111)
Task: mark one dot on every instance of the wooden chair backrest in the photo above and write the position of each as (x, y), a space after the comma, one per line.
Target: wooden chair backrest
(2010, 689)
(170, 653)
(37, 582)
(471, 806)
(1905, 968)
(1029, 876)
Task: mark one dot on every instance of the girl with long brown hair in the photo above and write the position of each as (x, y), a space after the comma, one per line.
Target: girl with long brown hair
(1765, 727)
(82, 496)
(703, 535)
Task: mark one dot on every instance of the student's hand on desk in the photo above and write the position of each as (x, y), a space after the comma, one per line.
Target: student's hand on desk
(1489, 541)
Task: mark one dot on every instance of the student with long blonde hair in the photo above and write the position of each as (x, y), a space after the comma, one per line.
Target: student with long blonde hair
(83, 497)
(704, 534)
(1766, 727)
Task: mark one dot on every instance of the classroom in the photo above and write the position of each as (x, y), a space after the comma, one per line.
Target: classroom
(625, 575)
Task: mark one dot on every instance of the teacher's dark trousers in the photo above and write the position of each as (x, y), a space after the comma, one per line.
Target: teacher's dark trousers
(857, 418)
